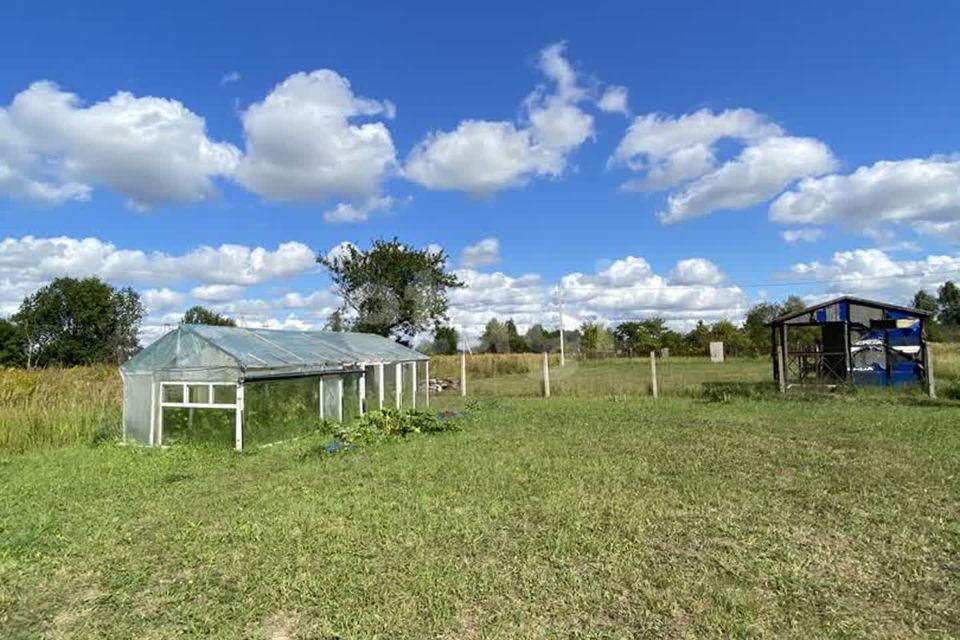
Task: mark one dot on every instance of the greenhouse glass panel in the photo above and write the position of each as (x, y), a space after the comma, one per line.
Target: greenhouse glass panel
(422, 384)
(224, 394)
(198, 426)
(371, 387)
(281, 409)
(351, 396)
(173, 393)
(389, 385)
(331, 398)
(199, 393)
(407, 388)
(137, 403)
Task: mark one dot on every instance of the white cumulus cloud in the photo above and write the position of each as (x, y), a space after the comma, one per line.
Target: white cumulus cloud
(154, 151)
(305, 141)
(682, 153)
(873, 273)
(923, 193)
(809, 234)
(481, 157)
(482, 254)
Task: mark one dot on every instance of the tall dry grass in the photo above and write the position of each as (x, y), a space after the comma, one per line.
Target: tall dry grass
(488, 365)
(54, 407)
(946, 360)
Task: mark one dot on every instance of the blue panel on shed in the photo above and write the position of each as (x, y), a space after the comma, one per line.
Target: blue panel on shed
(821, 315)
(844, 310)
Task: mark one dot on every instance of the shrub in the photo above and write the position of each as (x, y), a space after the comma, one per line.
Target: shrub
(375, 426)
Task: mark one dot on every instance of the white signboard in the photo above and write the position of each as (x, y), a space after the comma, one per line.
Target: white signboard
(716, 352)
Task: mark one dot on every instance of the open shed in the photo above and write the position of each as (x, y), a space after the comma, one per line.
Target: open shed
(232, 385)
(849, 340)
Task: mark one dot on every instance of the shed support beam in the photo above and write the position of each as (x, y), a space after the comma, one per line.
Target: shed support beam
(427, 382)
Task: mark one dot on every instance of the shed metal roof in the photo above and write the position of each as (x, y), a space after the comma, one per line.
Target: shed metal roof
(861, 301)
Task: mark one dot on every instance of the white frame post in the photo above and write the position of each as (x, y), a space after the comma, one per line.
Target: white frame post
(321, 397)
(380, 384)
(238, 418)
(413, 384)
(363, 387)
(153, 411)
(340, 398)
(427, 373)
(463, 374)
(399, 390)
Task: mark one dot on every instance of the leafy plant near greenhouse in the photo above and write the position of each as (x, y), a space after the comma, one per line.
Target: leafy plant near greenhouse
(379, 425)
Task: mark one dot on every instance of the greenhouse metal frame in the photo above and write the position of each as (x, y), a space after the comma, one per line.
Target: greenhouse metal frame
(197, 369)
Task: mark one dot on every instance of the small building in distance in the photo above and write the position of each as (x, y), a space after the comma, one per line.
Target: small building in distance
(850, 340)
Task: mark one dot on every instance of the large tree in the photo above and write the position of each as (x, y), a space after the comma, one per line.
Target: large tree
(926, 302)
(948, 297)
(12, 352)
(754, 325)
(75, 322)
(495, 337)
(445, 341)
(202, 315)
(392, 289)
(596, 337)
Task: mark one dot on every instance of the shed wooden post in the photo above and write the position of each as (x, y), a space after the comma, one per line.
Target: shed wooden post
(931, 382)
(546, 374)
(463, 373)
(238, 421)
(781, 372)
(653, 375)
(340, 399)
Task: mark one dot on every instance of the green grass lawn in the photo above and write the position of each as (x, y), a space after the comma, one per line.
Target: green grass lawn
(570, 517)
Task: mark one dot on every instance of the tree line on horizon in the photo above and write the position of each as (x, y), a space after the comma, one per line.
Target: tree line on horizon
(395, 290)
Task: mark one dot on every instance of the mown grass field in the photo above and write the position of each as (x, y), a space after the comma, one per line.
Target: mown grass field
(567, 517)
(597, 513)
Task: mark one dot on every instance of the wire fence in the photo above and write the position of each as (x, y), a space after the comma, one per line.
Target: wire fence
(522, 375)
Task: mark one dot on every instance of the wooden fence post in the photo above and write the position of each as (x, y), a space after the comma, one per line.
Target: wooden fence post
(931, 382)
(546, 375)
(653, 374)
(463, 373)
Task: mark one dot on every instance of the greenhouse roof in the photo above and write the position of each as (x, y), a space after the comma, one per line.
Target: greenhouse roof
(266, 351)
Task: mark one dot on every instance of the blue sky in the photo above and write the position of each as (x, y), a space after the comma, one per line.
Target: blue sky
(740, 102)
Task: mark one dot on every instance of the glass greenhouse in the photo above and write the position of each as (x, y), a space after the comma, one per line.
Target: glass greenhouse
(240, 386)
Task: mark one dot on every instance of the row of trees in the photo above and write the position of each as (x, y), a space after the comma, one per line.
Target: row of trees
(945, 310)
(73, 322)
(633, 337)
